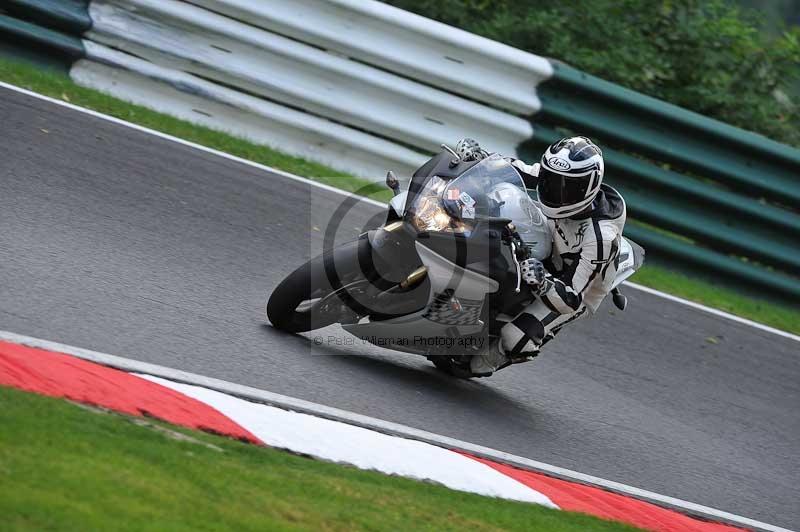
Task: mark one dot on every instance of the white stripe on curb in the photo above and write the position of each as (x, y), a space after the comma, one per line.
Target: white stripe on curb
(385, 427)
(341, 192)
(366, 449)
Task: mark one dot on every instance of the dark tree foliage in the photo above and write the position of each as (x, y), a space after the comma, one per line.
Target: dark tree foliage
(705, 55)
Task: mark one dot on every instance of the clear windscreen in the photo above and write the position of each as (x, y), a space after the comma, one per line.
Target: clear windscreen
(482, 190)
(490, 189)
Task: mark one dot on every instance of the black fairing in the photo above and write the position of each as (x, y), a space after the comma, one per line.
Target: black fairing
(388, 258)
(394, 256)
(483, 251)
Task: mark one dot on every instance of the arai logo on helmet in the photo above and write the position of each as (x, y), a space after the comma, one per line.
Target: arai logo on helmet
(559, 163)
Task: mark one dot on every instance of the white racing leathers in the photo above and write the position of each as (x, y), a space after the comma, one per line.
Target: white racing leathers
(581, 269)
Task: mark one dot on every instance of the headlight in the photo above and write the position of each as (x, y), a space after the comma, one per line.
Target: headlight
(430, 216)
(427, 214)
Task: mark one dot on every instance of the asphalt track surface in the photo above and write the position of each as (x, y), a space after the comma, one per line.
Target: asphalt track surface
(125, 243)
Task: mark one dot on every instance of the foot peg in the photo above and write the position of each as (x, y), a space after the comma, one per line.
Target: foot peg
(620, 301)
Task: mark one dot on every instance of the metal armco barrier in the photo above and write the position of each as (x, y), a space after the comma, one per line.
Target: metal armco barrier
(197, 41)
(363, 87)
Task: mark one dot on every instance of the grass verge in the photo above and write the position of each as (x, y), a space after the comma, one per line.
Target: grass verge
(63, 467)
(56, 85)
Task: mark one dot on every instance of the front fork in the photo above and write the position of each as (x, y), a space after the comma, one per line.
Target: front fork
(397, 280)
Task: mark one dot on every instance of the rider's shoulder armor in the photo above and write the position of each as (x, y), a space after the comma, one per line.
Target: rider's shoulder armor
(608, 205)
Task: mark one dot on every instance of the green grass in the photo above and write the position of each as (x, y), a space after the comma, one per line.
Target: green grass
(57, 85)
(63, 467)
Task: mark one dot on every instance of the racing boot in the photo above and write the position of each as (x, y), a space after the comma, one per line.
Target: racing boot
(489, 361)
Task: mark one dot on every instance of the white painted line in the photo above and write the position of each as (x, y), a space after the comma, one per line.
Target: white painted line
(385, 427)
(335, 190)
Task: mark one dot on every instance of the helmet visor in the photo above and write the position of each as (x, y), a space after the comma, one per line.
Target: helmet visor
(556, 190)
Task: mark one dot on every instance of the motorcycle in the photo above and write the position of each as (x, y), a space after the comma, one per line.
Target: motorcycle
(442, 276)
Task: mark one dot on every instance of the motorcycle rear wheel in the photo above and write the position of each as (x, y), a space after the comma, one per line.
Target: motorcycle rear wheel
(447, 365)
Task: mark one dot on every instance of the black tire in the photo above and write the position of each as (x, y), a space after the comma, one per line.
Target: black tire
(445, 365)
(308, 282)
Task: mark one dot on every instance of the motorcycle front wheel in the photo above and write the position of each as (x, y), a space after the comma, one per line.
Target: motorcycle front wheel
(307, 298)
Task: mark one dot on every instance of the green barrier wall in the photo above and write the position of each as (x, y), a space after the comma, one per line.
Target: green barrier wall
(732, 196)
(68, 16)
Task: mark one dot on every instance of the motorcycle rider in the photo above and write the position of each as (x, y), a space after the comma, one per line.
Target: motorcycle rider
(586, 218)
